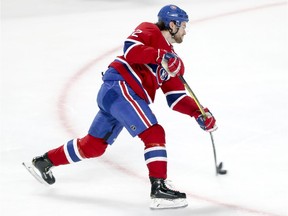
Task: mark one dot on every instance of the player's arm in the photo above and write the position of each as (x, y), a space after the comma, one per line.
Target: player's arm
(176, 97)
(137, 52)
(178, 100)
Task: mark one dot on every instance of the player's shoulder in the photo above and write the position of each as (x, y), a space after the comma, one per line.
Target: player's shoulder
(148, 26)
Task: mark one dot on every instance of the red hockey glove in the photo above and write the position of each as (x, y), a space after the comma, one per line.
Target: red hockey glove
(208, 123)
(175, 64)
(170, 62)
(160, 55)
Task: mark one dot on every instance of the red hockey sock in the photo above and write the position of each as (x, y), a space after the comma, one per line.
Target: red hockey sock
(156, 160)
(57, 156)
(155, 151)
(77, 149)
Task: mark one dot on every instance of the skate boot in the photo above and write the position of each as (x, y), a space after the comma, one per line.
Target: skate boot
(43, 165)
(163, 197)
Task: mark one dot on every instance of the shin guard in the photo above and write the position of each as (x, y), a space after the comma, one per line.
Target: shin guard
(156, 160)
(77, 149)
(155, 151)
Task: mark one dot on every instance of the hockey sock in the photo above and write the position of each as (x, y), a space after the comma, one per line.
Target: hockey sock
(65, 154)
(155, 151)
(156, 160)
(77, 149)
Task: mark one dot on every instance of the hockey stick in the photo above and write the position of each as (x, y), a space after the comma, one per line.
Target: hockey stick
(218, 168)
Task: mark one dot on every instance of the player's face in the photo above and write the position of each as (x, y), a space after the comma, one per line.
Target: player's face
(180, 34)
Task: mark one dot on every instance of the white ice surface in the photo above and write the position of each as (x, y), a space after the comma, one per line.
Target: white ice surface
(235, 55)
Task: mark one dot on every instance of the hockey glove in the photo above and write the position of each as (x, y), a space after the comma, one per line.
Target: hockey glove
(171, 63)
(207, 123)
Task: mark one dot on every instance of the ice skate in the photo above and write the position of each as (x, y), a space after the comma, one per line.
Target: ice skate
(44, 165)
(163, 197)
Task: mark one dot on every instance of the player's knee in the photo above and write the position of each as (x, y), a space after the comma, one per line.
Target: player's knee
(153, 135)
(90, 146)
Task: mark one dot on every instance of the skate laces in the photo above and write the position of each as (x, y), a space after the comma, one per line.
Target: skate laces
(48, 171)
(47, 175)
(169, 184)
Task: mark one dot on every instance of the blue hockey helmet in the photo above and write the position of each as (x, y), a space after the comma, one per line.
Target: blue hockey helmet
(172, 13)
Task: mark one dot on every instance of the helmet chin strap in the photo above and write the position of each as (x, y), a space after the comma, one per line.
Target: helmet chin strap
(173, 33)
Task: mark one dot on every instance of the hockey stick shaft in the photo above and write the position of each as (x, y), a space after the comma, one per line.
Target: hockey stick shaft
(204, 115)
(193, 95)
(214, 152)
(165, 66)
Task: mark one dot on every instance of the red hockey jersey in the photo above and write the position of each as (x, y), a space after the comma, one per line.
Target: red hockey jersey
(140, 70)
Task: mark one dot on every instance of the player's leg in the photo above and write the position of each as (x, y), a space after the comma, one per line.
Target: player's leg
(94, 144)
(103, 131)
(155, 154)
(156, 160)
(136, 116)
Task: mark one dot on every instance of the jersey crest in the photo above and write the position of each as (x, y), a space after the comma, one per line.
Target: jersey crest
(159, 72)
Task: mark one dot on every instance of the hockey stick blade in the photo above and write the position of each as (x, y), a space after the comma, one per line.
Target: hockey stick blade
(30, 168)
(220, 170)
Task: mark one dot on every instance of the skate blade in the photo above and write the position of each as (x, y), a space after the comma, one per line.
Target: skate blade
(32, 171)
(160, 203)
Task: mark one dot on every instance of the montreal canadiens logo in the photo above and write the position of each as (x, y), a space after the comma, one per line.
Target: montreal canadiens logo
(163, 75)
(173, 7)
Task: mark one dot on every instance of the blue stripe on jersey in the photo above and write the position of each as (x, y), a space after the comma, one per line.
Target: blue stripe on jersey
(127, 44)
(171, 98)
(72, 152)
(155, 154)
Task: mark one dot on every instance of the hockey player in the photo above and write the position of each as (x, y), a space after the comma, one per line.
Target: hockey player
(129, 86)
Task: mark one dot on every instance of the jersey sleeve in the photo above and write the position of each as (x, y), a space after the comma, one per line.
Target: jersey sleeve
(177, 98)
(139, 47)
